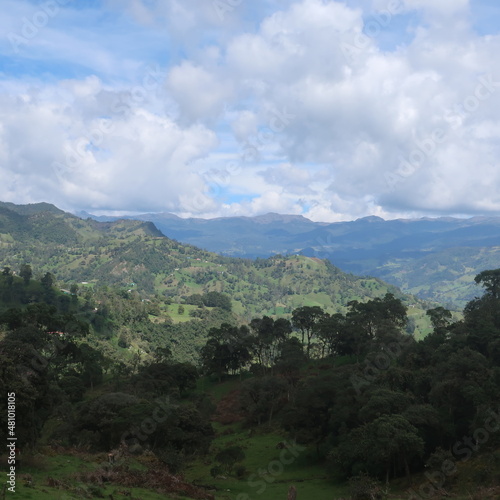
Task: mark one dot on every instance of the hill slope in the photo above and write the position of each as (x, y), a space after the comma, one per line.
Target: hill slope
(134, 254)
(436, 259)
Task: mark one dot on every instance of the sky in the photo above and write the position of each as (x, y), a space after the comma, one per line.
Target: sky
(214, 108)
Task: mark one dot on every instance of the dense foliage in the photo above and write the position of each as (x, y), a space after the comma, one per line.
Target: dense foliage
(98, 367)
(135, 256)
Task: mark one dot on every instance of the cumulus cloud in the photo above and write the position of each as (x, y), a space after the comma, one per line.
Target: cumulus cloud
(314, 110)
(366, 113)
(96, 149)
(199, 94)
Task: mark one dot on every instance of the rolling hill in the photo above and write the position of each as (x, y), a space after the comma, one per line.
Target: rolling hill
(136, 256)
(435, 259)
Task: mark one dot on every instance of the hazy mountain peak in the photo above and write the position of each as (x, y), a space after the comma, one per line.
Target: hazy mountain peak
(370, 218)
(274, 217)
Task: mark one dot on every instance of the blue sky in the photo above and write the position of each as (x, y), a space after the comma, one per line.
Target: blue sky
(334, 110)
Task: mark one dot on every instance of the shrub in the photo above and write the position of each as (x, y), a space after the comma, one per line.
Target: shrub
(364, 487)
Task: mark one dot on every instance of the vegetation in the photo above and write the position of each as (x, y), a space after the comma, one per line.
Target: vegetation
(434, 259)
(361, 401)
(338, 402)
(145, 265)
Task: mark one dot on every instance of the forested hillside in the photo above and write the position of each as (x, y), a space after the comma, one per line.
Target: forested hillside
(338, 404)
(136, 256)
(435, 259)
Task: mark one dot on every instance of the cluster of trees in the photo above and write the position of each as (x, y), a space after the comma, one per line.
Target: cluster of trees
(50, 358)
(266, 342)
(210, 299)
(374, 400)
(368, 396)
(21, 289)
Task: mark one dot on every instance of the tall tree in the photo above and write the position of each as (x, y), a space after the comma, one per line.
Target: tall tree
(490, 280)
(26, 273)
(306, 319)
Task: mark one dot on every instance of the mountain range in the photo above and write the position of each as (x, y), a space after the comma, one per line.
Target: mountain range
(135, 256)
(433, 258)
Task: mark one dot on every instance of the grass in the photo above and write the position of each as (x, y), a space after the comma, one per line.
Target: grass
(173, 312)
(51, 477)
(269, 471)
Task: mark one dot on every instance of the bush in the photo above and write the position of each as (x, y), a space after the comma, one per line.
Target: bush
(240, 471)
(216, 471)
(172, 458)
(229, 457)
(364, 487)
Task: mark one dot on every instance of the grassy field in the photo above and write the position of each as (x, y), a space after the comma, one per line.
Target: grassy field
(52, 477)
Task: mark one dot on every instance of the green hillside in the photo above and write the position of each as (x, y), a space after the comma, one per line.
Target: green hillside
(335, 402)
(135, 256)
(446, 276)
(340, 406)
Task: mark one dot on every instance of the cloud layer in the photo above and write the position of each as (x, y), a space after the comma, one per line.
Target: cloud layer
(334, 110)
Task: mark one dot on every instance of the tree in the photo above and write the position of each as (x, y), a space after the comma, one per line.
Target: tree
(182, 434)
(290, 358)
(389, 442)
(440, 317)
(334, 336)
(261, 397)
(374, 316)
(7, 275)
(282, 329)
(26, 273)
(308, 414)
(217, 299)
(162, 354)
(227, 348)
(263, 329)
(490, 280)
(382, 401)
(47, 281)
(306, 319)
(102, 415)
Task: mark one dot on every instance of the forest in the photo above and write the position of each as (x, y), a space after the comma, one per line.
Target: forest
(375, 412)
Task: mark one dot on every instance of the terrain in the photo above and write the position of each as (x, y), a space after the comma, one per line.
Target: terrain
(435, 259)
(144, 368)
(372, 412)
(137, 257)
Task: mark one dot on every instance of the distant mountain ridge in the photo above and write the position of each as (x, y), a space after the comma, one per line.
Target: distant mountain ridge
(435, 258)
(134, 255)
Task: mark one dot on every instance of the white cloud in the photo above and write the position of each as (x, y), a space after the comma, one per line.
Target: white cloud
(244, 124)
(200, 94)
(67, 153)
(355, 113)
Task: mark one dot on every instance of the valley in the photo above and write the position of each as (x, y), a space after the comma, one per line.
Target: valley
(213, 377)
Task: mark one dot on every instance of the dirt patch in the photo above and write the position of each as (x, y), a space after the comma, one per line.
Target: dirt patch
(229, 409)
